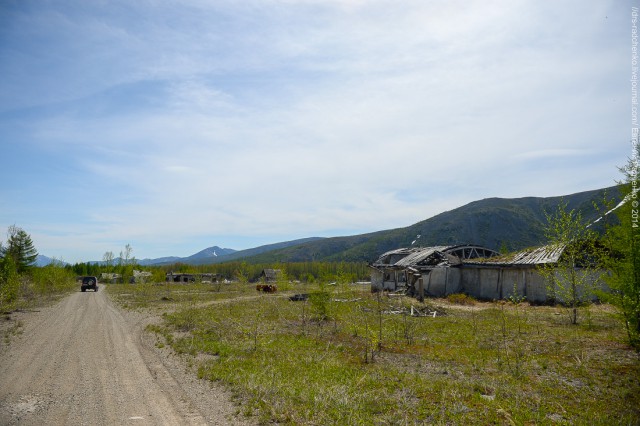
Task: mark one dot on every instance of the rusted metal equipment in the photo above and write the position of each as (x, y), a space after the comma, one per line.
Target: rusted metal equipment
(267, 288)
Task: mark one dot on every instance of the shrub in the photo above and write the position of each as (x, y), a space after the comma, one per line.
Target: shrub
(461, 299)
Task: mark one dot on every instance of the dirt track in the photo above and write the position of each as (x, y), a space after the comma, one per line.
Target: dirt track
(83, 361)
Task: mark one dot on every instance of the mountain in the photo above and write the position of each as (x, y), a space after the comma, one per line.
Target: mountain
(207, 255)
(496, 223)
(42, 260)
(249, 253)
(216, 254)
(169, 259)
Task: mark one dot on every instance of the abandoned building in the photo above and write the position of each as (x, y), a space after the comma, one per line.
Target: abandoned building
(110, 277)
(473, 270)
(434, 269)
(191, 278)
(141, 276)
(270, 275)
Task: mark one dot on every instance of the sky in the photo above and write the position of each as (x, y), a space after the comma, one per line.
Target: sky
(174, 126)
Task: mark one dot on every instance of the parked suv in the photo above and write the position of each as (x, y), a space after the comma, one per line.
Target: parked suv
(89, 282)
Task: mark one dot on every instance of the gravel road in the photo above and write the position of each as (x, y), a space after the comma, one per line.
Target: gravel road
(85, 362)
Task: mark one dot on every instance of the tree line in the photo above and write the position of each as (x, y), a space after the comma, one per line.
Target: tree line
(238, 270)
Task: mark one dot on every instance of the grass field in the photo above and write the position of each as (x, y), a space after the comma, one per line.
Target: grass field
(347, 356)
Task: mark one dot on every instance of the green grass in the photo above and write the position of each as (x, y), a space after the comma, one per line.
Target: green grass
(169, 296)
(367, 362)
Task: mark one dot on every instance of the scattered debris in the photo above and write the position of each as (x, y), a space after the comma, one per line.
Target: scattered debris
(299, 297)
(414, 312)
(556, 418)
(346, 300)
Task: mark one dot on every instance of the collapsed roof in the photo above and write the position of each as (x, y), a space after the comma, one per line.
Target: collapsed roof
(584, 253)
(534, 256)
(420, 258)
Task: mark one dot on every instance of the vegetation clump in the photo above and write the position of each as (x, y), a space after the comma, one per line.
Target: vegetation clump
(461, 299)
(22, 283)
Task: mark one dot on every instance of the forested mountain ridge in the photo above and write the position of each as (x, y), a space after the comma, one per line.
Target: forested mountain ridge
(216, 254)
(248, 253)
(496, 223)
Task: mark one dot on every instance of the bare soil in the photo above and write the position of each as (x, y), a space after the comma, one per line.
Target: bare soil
(84, 361)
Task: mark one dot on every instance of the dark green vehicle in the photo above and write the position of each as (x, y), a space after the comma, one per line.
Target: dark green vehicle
(89, 282)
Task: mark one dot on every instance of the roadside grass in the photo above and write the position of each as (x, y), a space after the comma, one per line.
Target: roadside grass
(10, 328)
(360, 358)
(44, 286)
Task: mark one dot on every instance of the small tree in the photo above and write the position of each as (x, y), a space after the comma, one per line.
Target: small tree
(53, 278)
(126, 258)
(9, 284)
(623, 257)
(320, 302)
(571, 279)
(108, 260)
(282, 279)
(241, 274)
(20, 249)
(127, 262)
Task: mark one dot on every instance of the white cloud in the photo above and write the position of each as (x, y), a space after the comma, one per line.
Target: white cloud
(301, 118)
(178, 169)
(554, 153)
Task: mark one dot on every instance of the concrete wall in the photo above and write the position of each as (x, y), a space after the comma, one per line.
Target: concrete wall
(442, 281)
(489, 283)
(594, 280)
(376, 280)
(389, 280)
(501, 283)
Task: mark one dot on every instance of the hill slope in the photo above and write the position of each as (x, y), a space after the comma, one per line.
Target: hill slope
(249, 253)
(493, 222)
(208, 255)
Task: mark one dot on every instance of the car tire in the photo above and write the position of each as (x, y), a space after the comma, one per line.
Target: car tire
(84, 289)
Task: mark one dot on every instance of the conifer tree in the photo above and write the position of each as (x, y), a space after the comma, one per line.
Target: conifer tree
(20, 249)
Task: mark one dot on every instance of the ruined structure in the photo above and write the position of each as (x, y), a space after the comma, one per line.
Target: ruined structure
(473, 270)
(191, 278)
(270, 275)
(110, 277)
(424, 271)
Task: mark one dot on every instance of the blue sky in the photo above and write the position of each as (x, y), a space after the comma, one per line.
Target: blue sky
(177, 125)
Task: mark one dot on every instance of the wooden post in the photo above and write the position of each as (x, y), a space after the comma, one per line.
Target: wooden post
(421, 289)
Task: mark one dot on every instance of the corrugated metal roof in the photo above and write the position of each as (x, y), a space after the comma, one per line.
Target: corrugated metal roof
(537, 256)
(417, 257)
(427, 257)
(410, 255)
